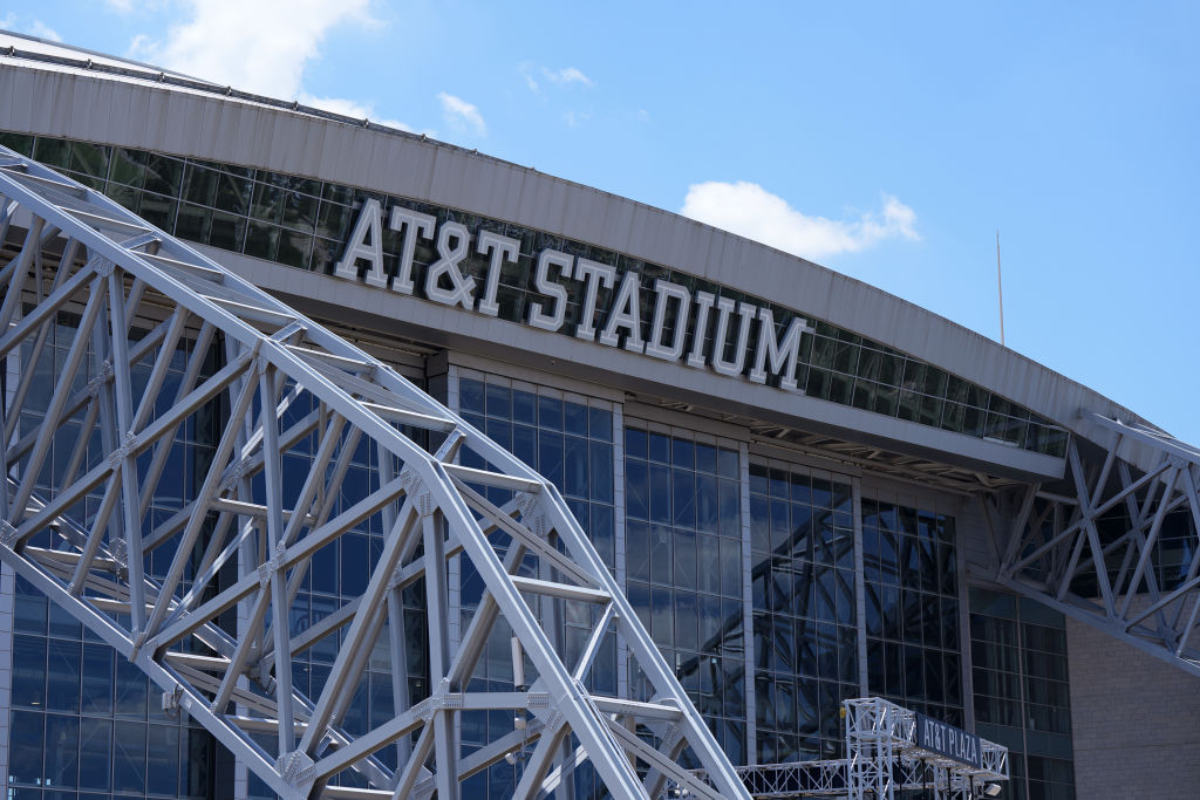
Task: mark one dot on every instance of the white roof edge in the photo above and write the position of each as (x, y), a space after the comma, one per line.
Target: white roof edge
(47, 47)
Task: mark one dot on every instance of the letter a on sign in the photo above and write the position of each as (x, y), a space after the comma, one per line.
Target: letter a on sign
(359, 249)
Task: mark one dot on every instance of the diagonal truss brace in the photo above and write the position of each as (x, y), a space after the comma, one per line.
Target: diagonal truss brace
(153, 340)
(1113, 579)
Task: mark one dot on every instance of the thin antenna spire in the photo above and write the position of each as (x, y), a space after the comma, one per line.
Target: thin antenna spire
(1000, 287)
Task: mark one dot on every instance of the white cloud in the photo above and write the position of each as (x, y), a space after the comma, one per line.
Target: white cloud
(36, 27)
(560, 77)
(44, 31)
(461, 115)
(567, 75)
(140, 47)
(749, 210)
(526, 70)
(574, 118)
(261, 46)
(120, 6)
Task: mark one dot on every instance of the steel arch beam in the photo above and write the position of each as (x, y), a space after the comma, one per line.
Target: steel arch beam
(152, 334)
(1056, 552)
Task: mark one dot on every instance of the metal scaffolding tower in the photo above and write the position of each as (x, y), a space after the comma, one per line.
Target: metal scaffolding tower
(122, 302)
(884, 757)
(1117, 549)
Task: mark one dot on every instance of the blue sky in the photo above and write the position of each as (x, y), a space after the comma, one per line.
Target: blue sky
(887, 141)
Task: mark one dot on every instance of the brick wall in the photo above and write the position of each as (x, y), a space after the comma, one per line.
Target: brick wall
(1135, 719)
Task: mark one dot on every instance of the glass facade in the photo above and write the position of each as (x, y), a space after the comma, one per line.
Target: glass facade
(337, 575)
(1170, 558)
(708, 540)
(743, 569)
(805, 636)
(303, 223)
(1022, 699)
(683, 542)
(910, 576)
(569, 440)
(85, 723)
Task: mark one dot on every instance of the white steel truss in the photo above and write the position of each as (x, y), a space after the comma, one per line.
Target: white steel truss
(147, 336)
(1095, 550)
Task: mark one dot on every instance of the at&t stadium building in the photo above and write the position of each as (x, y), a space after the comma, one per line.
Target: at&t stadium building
(346, 463)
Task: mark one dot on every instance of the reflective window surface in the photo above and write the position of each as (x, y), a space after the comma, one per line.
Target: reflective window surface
(82, 717)
(805, 641)
(911, 585)
(683, 549)
(338, 574)
(569, 440)
(1170, 558)
(303, 223)
(1022, 699)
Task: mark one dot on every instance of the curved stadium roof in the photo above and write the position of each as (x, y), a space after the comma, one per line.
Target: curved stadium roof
(57, 91)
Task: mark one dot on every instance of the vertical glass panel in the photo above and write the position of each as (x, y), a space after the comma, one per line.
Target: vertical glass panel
(727, 464)
(62, 690)
(29, 672)
(575, 467)
(686, 621)
(662, 617)
(661, 561)
(575, 419)
(162, 764)
(637, 489)
(685, 559)
(602, 533)
(131, 691)
(760, 524)
(129, 757)
(707, 500)
(262, 241)
(550, 456)
(163, 174)
(97, 690)
(499, 401)
(17, 142)
(196, 752)
(52, 152)
(62, 751)
(683, 453)
(601, 472)
(525, 446)
(683, 498)
(635, 443)
(550, 413)
(355, 570)
(95, 754)
(731, 568)
(295, 249)
(29, 608)
(660, 448)
(660, 493)
(470, 396)
(227, 232)
(710, 564)
(730, 508)
(25, 747)
(637, 550)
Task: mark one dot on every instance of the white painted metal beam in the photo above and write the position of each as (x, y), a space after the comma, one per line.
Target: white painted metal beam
(122, 277)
